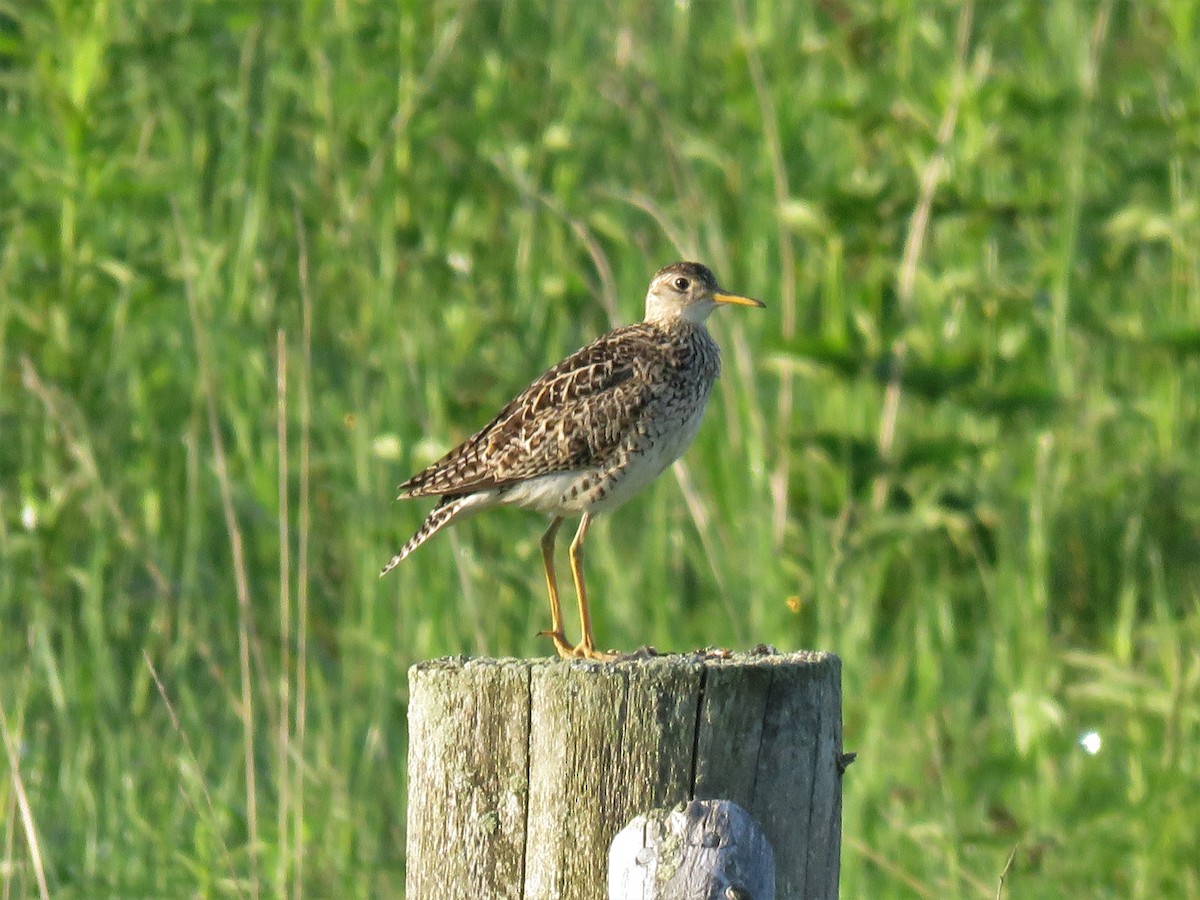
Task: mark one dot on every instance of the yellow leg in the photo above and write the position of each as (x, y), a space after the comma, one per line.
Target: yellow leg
(565, 650)
(586, 648)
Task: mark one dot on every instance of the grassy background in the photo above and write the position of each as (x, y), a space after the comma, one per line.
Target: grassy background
(959, 448)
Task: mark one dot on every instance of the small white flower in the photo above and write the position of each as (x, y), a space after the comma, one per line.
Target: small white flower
(386, 446)
(1091, 742)
(29, 517)
(460, 262)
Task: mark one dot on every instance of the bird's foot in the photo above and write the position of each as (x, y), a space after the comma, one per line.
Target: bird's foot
(561, 646)
(585, 650)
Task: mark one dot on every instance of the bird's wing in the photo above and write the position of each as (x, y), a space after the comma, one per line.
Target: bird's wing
(567, 420)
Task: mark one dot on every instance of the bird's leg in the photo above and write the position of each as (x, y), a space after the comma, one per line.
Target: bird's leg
(565, 650)
(586, 649)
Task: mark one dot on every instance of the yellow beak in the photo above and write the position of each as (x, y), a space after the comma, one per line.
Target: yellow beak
(738, 300)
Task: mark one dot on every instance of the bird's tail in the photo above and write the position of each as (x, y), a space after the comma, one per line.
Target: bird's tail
(447, 510)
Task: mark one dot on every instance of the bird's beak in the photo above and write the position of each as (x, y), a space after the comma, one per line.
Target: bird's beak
(737, 300)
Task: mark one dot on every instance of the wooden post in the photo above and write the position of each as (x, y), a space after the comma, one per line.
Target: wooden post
(521, 772)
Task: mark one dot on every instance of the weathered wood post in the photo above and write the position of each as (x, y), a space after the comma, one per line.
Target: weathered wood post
(521, 772)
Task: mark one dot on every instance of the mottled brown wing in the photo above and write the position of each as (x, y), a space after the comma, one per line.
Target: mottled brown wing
(567, 420)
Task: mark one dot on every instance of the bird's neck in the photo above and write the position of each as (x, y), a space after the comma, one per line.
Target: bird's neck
(676, 318)
(688, 340)
(678, 327)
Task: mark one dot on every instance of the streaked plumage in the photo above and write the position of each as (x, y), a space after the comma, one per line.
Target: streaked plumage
(592, 431)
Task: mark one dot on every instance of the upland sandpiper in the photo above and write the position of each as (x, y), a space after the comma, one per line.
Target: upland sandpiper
(590, 433)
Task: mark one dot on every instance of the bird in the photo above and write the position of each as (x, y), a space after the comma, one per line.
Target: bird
(590, 433)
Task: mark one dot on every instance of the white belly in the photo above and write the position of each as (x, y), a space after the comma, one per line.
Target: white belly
(550, 494)
(662, 451)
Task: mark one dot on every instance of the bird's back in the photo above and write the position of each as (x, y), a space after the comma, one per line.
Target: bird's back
(642, 384)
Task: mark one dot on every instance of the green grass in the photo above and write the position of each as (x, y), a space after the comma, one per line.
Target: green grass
(461, 193)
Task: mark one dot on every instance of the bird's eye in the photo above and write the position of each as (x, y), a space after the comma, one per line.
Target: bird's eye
(682, 283)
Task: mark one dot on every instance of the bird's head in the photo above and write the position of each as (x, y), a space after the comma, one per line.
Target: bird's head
(689, 291)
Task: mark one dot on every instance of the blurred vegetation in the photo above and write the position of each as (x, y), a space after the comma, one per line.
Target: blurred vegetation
(959, 448)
